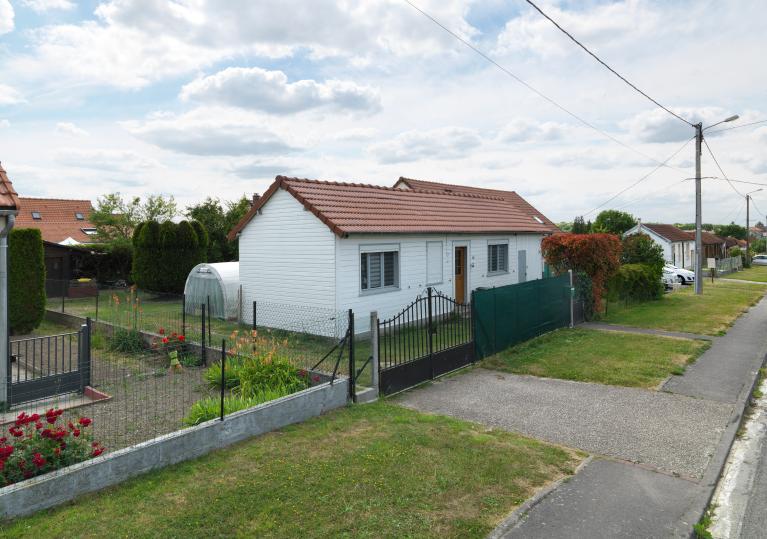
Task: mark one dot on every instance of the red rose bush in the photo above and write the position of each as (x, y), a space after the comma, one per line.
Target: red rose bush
(38, 444)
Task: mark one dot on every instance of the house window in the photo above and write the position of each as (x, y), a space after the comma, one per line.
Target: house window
(434, 266)
(79, 216)
(89, 231)
(379, 270)
(36, 215)
(498, 258)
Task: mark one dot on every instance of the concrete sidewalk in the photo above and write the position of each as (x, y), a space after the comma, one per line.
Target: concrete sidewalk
(680, 436)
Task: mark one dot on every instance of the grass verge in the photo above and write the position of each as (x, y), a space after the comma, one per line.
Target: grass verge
(604, 357)
(710, 313)
(365, 471)
(754, 273)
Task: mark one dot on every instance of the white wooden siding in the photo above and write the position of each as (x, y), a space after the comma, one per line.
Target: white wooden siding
(287, 257)
(413, 269)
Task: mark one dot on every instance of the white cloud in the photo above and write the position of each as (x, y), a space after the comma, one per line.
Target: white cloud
(68, 128)
(43, 6)
(522, 130)
(211, 131)
(657, 125)
(444, 143)
(104, 159)
(595, 159)
(6, 17)
(356, 134)
(607, 24)
(4, 123)
(258, 169)
(269, 91)
(133, 43)
(9, 95)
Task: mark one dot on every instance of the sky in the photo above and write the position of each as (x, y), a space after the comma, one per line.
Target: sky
(197, 98)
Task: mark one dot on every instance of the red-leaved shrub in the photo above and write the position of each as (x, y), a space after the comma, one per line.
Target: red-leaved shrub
(596, 255)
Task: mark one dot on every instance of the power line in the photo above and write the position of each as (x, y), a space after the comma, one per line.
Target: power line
(737, 126)
(530, 87)
(756, 207)
(598, 59)
(655, 193)
(736, 181)
(720, 168)
(640, 180)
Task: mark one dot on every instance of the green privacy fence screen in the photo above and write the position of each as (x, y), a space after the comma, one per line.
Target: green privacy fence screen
(508, 315)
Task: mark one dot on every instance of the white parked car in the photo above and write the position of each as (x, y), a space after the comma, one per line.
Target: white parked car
(759, 260)
(668, 278)
(682, 275)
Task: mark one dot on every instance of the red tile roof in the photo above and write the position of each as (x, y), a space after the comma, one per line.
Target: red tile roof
(349, 208)
(58, 219)
(707, 237)
(510, 196)
(9, 199)
(670, 232)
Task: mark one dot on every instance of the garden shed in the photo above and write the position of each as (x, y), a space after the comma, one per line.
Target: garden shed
(218, 284)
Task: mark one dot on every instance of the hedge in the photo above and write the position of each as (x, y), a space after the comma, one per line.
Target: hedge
(165, 253)
(108, 263)
(26, 280)
(636, 282)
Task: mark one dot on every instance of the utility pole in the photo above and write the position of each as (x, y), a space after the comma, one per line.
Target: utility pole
(698, 219)
(748, 232)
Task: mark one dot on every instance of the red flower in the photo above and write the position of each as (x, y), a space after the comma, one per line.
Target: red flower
(27, 474)
(46, 433)
(38, 460)
(76, 433)
(59, 434)
(302, 373)
(34, 417)
(98, 451)
(85, 421)
(17, 432)
(181, 338)
(38, 425)
(161, 331)
(165, 340)
(57, 451)
(5, 452)
(71, 426)
(94, 444)
(51, 418)
(3, 440)
(315, 378)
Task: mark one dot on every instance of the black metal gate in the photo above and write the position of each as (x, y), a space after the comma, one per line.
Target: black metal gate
(430, 337)
(43, 367)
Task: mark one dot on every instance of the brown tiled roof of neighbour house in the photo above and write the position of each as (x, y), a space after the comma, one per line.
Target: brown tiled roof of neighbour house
(707, 237)
(670, 232)
(57, 219)
(351, 208)
(9, 199)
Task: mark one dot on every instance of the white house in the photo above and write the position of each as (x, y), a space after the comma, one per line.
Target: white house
(328, 245)
(678, 245)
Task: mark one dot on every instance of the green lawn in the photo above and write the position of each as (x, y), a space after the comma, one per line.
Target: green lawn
(366, 471)
(711, 313)
(754, 273)
(605, 357)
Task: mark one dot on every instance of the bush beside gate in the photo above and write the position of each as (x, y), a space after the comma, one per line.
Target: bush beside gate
(508, 315)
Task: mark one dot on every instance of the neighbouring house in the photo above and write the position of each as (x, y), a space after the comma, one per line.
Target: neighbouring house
(678, 246)
(65, 228)
(331, 245)
(713, 245)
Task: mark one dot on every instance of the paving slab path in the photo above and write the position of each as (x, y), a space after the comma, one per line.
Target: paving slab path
(659, 453)
(644, 331)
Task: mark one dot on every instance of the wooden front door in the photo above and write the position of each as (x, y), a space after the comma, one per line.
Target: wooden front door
(460, 274)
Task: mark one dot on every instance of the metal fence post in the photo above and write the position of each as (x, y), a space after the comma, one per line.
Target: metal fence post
(84, 354)
(209, 329)
(429, 333)
(63, 294)
(352, 366)
(254, 314)
(183, 315)
(374, 349)
(223, 375)
(572, 300)
(204, 351)
(97, 302)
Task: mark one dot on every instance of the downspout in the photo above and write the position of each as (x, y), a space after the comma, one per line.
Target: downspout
(10, 220)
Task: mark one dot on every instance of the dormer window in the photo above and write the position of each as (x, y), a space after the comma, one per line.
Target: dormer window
(79, 216)
(89, 231)
(36, 215)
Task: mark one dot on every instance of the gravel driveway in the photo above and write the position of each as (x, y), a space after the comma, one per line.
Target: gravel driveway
(672, 433)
